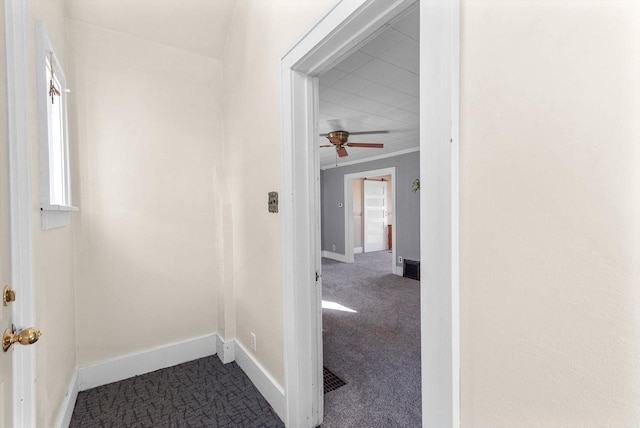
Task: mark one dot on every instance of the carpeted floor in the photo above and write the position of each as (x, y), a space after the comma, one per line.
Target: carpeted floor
(375, 350)
(200, 393)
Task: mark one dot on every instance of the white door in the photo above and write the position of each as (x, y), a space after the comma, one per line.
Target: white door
(17, 376)
(6, 404)
(375, 215)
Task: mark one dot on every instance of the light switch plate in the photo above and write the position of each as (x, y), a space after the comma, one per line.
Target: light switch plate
(273, 202)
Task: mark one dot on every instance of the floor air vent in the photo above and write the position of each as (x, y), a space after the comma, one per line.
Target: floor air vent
(331, 381)
(411, 269)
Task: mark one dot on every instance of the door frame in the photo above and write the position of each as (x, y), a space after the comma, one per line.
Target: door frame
(20, 210)
(345, 26)
(348, 211)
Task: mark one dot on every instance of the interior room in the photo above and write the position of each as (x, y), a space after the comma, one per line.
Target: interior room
(160, 176)
(367, 200)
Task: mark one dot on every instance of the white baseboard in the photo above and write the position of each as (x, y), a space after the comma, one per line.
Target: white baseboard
(334, 256)
(68, 403)
(225, 349)
(145, 362)
(272, 391)
(358, 250)
(399, 270)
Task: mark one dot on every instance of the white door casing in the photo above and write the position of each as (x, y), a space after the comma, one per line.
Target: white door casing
(440, 211)
(375, 215)
(6, 366)
(6, 404)
(20, 215)
(347, 25)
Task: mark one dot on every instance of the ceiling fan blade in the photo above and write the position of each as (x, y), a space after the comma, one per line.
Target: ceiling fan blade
(328, 145)
(370, 145)
(360, 132)
(342, 152)
(369, 132)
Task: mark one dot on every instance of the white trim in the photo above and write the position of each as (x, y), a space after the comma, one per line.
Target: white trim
(398, 270)
(345, 27)
(454, 73)
(148, 361)
(68, 403)
(439, 205)
(23, 310)
(371, 158)
(348, 208)
(301, 292)
(52, 216)
(358, 250)
(300, 289)
(59, 208)
(335, 256)
(272, 391)
(54, 219)
(225, 350)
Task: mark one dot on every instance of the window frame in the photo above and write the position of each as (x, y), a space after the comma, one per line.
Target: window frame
(53, 214)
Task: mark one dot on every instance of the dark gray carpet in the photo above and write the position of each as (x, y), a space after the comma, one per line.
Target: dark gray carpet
(200, 393)
(376, 351)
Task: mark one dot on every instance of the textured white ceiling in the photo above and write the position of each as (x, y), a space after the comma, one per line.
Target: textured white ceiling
(198, 26)
(375, 88)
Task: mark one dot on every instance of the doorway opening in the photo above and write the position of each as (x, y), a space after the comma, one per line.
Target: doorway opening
(382, 233)
(376, 216)
(371, 316)
(346, 26)
(369, 114)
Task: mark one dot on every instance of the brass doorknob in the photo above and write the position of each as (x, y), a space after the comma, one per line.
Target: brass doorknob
(28, 336)
(8, 295)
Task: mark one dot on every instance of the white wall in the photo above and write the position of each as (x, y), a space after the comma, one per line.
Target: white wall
(149, 122)
(261, 33)
(550, 202)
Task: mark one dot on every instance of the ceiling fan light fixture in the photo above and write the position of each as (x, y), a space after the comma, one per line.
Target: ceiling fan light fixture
(338, 139)
(340, 136)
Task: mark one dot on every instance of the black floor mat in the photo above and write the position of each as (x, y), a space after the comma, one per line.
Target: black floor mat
(331, 381)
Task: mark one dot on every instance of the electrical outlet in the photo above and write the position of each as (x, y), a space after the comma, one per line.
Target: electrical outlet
(400, 259)
(333, 248)
(253, 342)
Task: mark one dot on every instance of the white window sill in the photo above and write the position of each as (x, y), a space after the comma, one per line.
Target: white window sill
(59, 208)
(54, 216)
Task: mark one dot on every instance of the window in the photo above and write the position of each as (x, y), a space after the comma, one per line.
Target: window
(55, 186)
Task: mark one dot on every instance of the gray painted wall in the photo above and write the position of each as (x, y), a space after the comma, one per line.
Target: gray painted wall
(407, 215)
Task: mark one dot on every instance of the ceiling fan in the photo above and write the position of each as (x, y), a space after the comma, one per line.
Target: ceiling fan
(338, 139)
